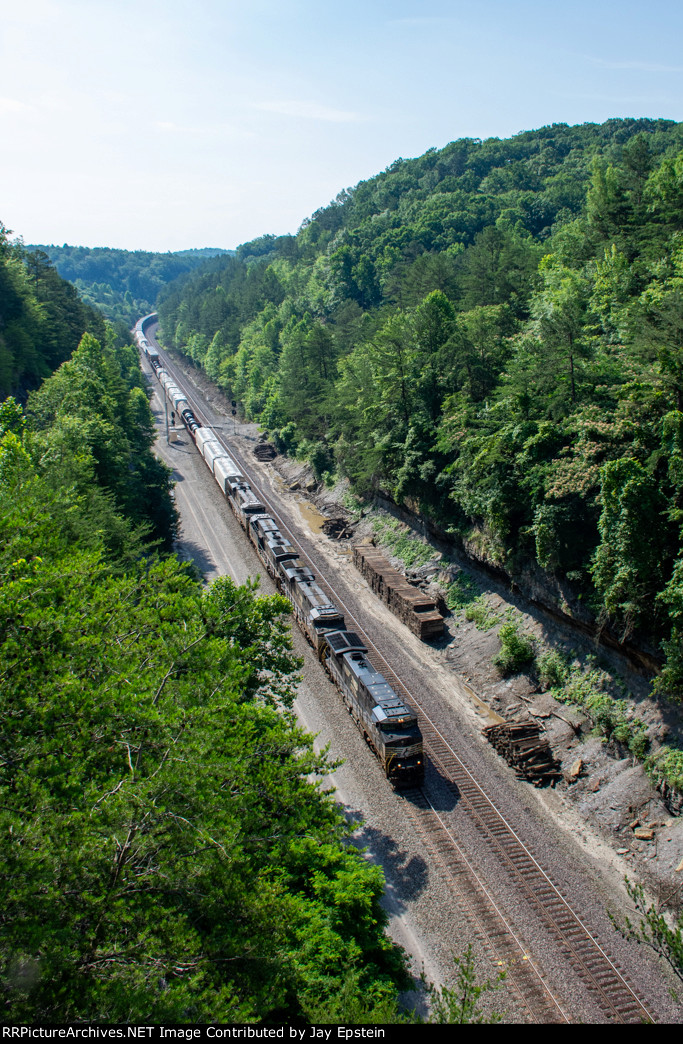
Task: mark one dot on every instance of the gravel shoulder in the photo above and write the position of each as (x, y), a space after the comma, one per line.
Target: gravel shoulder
(585, 827)
(611, 795)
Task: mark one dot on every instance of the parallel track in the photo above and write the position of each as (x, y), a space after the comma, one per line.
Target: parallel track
(605, 982)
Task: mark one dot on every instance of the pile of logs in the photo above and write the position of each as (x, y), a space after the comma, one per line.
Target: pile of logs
(417, 610)
(265, 451)
(522, 747)
(337, 528)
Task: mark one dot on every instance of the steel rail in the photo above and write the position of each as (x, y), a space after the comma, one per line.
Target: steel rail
(492, 823)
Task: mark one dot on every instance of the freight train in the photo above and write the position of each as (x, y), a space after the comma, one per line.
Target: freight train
(388, 725)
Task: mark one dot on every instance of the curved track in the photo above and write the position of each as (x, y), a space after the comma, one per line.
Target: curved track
(615, 998)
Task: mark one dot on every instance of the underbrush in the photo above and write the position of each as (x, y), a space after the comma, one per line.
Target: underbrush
(392, 534)
(461, 592)
(516, 650)
(612, 718)
(481, 615)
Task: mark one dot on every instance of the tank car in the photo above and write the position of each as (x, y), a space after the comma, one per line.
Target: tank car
(180, 403)
(388, 725)
(190, 421)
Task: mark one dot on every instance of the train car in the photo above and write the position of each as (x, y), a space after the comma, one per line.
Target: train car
(278, 550)
(246, 503)
(212, 451)
(190, 421)
(203, 435)
(180, 403)
(169, 386)
(261, 528)
(313, 611)
(390, 728)
(226, 471)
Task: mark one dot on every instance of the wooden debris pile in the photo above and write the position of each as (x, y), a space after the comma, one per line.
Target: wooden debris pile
(414, 608)
(522, 747)
(265, 451)
(337, 528)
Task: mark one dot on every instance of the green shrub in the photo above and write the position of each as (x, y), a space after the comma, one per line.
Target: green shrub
(321, 459)
(611, 718)
(286, 439)
(479, 613)
(639, 743)
(516, 651)
(666, 765)
(553, 669)
(461, 592)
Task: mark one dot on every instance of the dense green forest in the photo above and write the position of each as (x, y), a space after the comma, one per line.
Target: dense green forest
(122, 284)
(492, 335)
(42, 318)
(166, 853)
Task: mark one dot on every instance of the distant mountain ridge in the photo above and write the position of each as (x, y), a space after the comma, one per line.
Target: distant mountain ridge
(123, 284)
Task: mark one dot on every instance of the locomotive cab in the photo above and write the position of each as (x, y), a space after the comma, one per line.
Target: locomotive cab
(402, 741)
(327, 617)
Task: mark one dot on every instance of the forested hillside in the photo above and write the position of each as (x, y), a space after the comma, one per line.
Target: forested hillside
(122, 284)
(492, 334)
(166, 853)
(42, 318)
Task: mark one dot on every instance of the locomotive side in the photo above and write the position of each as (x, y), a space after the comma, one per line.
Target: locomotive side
(388, 725)
(390, 728)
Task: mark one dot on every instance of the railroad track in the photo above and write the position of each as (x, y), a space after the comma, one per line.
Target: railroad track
(498, 937)
(599, 973)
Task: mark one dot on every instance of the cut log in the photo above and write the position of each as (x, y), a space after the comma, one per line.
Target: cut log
(265, 451)
(525, 750)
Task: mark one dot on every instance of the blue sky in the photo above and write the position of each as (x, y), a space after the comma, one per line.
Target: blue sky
(165, 124)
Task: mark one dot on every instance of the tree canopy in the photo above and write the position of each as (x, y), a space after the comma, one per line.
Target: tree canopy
(490, 334)
(168, 852)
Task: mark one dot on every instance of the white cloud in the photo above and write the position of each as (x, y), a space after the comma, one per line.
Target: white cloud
(13, 105)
